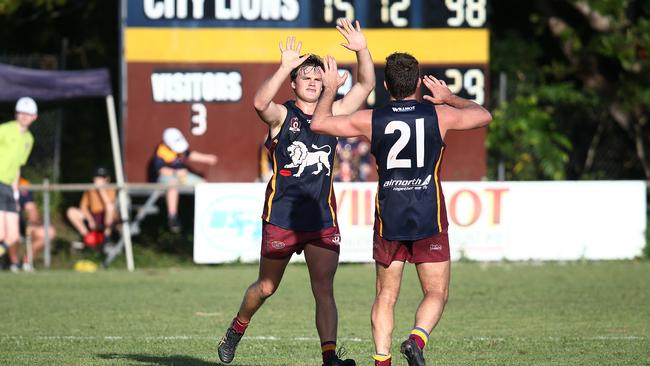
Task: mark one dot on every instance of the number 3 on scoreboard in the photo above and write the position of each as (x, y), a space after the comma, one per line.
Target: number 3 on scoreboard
(471, 11)
(199, 120)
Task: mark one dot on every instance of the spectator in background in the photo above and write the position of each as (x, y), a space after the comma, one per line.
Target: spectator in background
(31, 227)
(95, 217)
(353, 160)
(266, 164)
(344, 172)
(15, 146)
(170, 165)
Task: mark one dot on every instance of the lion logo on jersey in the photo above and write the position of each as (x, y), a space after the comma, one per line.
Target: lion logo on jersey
(301, 157)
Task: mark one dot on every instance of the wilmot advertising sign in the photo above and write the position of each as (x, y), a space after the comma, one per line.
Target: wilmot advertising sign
(488, 221)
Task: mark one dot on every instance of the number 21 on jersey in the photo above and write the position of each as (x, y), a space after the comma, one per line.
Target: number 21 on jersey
(405, 136)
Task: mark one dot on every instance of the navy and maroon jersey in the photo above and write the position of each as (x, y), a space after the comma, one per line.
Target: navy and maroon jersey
(166, 157)
(300, 196)
(407, 145)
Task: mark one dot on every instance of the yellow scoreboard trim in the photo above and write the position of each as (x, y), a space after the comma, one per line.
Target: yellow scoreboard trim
(260, 45)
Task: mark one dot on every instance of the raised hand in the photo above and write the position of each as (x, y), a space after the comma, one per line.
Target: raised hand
(291, 53)
(356, 39)
(440, 93)
(330, 74)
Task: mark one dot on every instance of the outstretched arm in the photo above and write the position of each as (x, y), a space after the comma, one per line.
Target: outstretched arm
(199, 157)
(454, 112)
(271, 113)
(357, 95)
(356, 124)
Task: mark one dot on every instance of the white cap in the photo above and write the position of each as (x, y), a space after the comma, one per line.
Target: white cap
(173, 138)
(26, 105)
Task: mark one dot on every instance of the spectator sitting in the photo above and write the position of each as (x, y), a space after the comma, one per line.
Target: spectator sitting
(31, 227)
(95, 217)
(170, 165)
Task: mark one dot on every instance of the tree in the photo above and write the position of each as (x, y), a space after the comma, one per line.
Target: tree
(581, 73)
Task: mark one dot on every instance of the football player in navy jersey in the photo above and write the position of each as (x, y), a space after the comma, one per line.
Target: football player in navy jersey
(407, 140)
(300, 207)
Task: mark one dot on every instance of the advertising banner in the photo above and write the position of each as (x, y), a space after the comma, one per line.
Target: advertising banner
(488, 221)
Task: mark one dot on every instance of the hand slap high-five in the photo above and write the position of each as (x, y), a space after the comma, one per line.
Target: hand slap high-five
(291, 53)
(352, 34)
(356, 41)
(330, 74)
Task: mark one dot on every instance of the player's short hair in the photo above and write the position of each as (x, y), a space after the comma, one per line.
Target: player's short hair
(312, 61)
(402, 73)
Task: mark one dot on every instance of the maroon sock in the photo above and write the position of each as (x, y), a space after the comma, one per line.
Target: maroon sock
(382, 359)
(239, 326)
(329, 350)
(418, 340)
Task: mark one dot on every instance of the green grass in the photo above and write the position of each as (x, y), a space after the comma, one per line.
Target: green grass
(589, 313)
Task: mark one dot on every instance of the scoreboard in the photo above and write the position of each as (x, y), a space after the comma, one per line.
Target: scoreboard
(196, 65)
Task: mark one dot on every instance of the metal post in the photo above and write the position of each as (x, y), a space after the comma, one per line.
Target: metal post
(503, 87)
(119, 175)
(56, 172)
(46, 223)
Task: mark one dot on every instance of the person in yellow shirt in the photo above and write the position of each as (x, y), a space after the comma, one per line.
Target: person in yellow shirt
(95, 215)
(15, 146)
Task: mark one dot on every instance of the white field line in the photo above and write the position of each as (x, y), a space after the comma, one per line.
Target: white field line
(307, 339)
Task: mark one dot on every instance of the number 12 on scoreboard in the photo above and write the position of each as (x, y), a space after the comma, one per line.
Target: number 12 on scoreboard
(408, 13)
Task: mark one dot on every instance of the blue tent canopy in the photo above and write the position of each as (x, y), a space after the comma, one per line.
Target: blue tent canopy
(45, 85)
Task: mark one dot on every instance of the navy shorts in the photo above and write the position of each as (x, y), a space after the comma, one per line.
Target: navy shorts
(7, 200)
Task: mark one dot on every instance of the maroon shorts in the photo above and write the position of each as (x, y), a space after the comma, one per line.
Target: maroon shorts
(279, 243)
(432, 249)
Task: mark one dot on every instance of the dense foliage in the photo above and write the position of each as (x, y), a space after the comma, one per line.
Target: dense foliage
(578, 89)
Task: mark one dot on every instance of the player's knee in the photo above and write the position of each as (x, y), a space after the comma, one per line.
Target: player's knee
(388, 298)
(439, 293)
(266, 288)
(71, 212)
(323, 287)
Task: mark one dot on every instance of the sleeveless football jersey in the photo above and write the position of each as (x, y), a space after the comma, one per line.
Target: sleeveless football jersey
(300, 196)
(408, 148)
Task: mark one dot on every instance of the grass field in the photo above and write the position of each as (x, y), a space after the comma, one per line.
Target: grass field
(591, 313)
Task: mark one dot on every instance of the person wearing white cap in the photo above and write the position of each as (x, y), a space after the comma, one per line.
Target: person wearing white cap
(15, 146)
(170, 165)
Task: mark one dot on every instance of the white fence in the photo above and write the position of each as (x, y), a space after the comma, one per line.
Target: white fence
(488, 220)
